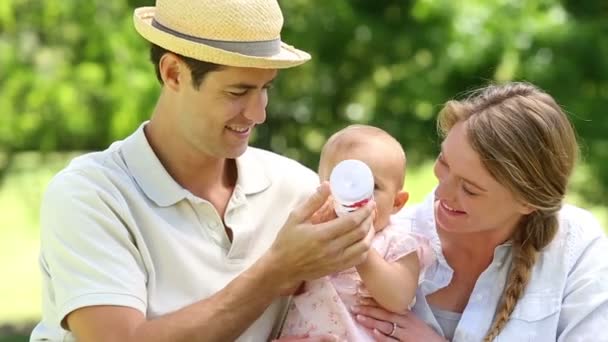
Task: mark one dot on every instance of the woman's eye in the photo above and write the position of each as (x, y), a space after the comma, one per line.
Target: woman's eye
(467, 191)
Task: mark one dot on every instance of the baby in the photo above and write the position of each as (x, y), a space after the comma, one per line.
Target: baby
(396, 261)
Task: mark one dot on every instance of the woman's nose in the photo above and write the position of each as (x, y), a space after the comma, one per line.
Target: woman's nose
(447, 187)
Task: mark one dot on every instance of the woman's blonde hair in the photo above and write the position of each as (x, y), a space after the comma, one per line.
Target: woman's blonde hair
(527, 144)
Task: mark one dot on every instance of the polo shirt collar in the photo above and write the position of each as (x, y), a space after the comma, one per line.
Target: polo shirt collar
(162, 189)
(253, 177)
(149, 172)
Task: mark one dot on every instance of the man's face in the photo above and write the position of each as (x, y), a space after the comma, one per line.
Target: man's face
(218, 118)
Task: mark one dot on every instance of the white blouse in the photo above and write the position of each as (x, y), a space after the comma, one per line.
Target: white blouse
(565, 300)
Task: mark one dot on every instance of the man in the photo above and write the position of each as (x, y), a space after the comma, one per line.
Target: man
(181, 232)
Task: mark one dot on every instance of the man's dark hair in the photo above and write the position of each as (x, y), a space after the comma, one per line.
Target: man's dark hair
(198, 69)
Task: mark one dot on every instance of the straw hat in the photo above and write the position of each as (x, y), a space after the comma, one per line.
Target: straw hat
(242, 33)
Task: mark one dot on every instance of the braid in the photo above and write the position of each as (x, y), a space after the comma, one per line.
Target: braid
(538, 230)
(524, 257)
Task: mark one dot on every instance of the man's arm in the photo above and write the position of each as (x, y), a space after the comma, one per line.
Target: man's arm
(301, 251)
(392, 284)
(221, 317)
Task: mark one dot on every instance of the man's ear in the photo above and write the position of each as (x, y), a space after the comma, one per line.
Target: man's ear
(171, 70)
(400, 200)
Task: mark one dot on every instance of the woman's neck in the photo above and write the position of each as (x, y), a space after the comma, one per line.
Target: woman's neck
(475, 244)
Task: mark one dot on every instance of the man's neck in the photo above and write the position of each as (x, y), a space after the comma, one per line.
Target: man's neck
(192, 169)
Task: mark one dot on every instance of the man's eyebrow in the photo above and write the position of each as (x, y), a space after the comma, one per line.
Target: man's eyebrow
(464, 179)
(243, 85)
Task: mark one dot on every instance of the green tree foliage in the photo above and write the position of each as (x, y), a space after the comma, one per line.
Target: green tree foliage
(74, 75)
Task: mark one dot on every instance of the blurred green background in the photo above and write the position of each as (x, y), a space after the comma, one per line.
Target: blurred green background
(74, 76)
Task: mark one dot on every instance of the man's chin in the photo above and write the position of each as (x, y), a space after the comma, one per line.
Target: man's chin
(236, 152)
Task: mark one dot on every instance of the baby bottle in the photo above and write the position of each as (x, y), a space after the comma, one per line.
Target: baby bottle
(352, 185)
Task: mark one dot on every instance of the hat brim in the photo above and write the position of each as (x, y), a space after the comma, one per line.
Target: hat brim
(287, 57)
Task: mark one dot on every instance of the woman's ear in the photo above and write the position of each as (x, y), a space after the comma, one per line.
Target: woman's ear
(400, 200)
(526, 209)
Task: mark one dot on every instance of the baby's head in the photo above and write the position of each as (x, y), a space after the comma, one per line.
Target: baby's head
(384, 156)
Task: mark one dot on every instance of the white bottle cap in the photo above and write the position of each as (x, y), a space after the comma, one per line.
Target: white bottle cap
(352, 185)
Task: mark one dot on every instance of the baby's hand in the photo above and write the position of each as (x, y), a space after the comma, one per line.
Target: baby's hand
(325, 213)
(367, 301)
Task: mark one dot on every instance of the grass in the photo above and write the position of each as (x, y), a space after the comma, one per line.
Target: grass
(14, 338)
(419, 182)
(19, 204)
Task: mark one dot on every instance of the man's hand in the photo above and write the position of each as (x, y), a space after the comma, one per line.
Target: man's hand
(326, 213)
(304, 250)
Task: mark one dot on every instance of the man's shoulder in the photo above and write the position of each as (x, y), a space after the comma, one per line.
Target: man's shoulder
(288, 177)
(275, 163)
(90, 170)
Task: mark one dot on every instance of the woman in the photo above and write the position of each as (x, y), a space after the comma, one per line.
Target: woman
(513, 263)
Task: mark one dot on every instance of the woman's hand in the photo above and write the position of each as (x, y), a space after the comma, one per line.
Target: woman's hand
(388, 326)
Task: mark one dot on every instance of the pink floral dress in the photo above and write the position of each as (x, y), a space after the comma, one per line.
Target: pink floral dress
(323, 307)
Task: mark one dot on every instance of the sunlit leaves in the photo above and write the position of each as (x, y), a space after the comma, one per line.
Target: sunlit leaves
(75, 75)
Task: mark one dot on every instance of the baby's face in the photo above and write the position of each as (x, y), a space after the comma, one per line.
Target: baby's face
(386, 179)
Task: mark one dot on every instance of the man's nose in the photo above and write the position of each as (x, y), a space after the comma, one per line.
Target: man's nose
(256, 107)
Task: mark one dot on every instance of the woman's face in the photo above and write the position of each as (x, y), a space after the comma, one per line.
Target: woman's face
(468, 198)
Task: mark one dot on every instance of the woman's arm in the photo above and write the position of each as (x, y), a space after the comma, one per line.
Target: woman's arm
(392, 284)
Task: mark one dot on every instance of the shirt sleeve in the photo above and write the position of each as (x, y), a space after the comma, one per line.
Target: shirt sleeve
(584, 310)
(87, 251)
(402, 241)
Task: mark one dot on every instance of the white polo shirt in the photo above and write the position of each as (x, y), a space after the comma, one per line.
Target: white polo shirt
(116, 229)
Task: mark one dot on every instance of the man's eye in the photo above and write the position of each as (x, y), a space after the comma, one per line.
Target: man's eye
(237, 93)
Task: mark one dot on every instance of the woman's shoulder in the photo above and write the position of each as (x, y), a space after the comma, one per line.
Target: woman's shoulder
(579, 223)
(418, 211)
(578, 229)
(419, 221)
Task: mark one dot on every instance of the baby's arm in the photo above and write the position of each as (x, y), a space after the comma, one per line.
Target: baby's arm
(392, 284)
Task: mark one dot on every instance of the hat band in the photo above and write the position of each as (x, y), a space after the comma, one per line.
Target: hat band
(264, 48)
